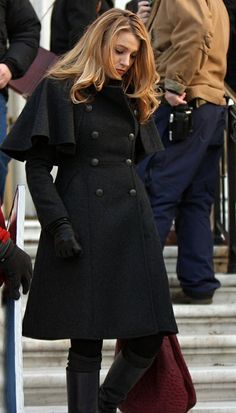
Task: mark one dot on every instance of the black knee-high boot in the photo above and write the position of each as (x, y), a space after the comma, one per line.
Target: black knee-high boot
(120, 379)
(82, 376)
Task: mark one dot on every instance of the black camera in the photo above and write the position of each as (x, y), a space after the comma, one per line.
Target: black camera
(180, 123)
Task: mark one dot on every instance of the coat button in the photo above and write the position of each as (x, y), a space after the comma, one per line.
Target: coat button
(135, 112)
(132, 192)
(94, 162)
(129, 162)
(88, 108)
(131, 136)
(95, 134)
(99, 192)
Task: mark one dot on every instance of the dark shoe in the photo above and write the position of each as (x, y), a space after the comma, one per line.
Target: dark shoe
(120, 379)
(180, 297)
(82, 391)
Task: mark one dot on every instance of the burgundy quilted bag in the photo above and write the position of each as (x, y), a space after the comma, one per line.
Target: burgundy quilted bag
(166, 387)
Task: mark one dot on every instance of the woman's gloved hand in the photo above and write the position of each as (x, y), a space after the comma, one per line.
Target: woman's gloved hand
(17, 268)
(65, 242)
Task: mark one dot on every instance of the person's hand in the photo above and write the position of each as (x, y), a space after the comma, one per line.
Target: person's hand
(5, 75)
(17, 268)
(144, 10)
(65, 242)
(175, 100)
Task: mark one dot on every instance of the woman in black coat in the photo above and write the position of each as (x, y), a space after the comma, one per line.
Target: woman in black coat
(99, 271)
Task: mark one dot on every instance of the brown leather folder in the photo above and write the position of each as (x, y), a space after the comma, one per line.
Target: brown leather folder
(27, 83)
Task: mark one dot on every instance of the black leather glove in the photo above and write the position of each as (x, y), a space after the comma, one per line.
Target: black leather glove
(17, 268)
(65, 242)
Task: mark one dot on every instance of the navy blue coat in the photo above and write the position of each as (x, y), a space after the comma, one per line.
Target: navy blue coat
(119, 287)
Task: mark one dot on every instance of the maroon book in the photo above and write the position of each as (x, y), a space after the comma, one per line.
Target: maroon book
(27, 83)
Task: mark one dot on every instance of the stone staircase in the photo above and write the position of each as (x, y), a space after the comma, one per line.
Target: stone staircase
(207, 337)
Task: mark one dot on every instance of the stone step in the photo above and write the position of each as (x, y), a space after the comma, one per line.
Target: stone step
(219, 407)
(216, 383)
(213, 319)
(209, 350)
(220, 258)
(48, 386)
(204, 350)
(225, 294)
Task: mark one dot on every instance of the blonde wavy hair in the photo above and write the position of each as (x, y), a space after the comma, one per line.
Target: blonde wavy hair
(90, 62)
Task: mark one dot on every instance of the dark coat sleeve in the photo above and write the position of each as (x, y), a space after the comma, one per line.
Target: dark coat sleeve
(150, 137)
(48, 116)
(132, 6)
(80, 16)
(47, 201)
(106, 5)
(69, 20)
(148, 141)
(23, 31)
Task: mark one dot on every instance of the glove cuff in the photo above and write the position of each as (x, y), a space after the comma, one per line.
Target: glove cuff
(55, 225)
(6, 250)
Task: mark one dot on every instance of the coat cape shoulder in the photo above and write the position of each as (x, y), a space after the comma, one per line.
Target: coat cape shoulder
(49, 116)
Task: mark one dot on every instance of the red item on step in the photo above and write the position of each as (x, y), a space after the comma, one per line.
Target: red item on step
(166, 387)
(2, 225)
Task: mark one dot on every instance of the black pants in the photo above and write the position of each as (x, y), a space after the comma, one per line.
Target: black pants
(144, 347)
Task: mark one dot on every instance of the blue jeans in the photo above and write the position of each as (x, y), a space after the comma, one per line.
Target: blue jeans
(4, 159)
(181, 183)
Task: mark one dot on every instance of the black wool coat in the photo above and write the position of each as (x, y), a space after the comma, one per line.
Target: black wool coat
(119, 287)
(70, 19)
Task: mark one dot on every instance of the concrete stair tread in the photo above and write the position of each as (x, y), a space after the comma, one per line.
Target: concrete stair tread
(209, 350)
(227, 280)
(200, 375)
(205, 311)
(171, 251)
(215, 407)
(212, 384)
(219, 407)
(201, 341)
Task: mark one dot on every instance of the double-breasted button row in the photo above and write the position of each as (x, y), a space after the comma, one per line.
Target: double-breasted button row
(95, 134)
(99, 192)
(95, 162)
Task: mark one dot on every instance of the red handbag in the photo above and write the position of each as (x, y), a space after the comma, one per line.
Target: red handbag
(166, 387)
